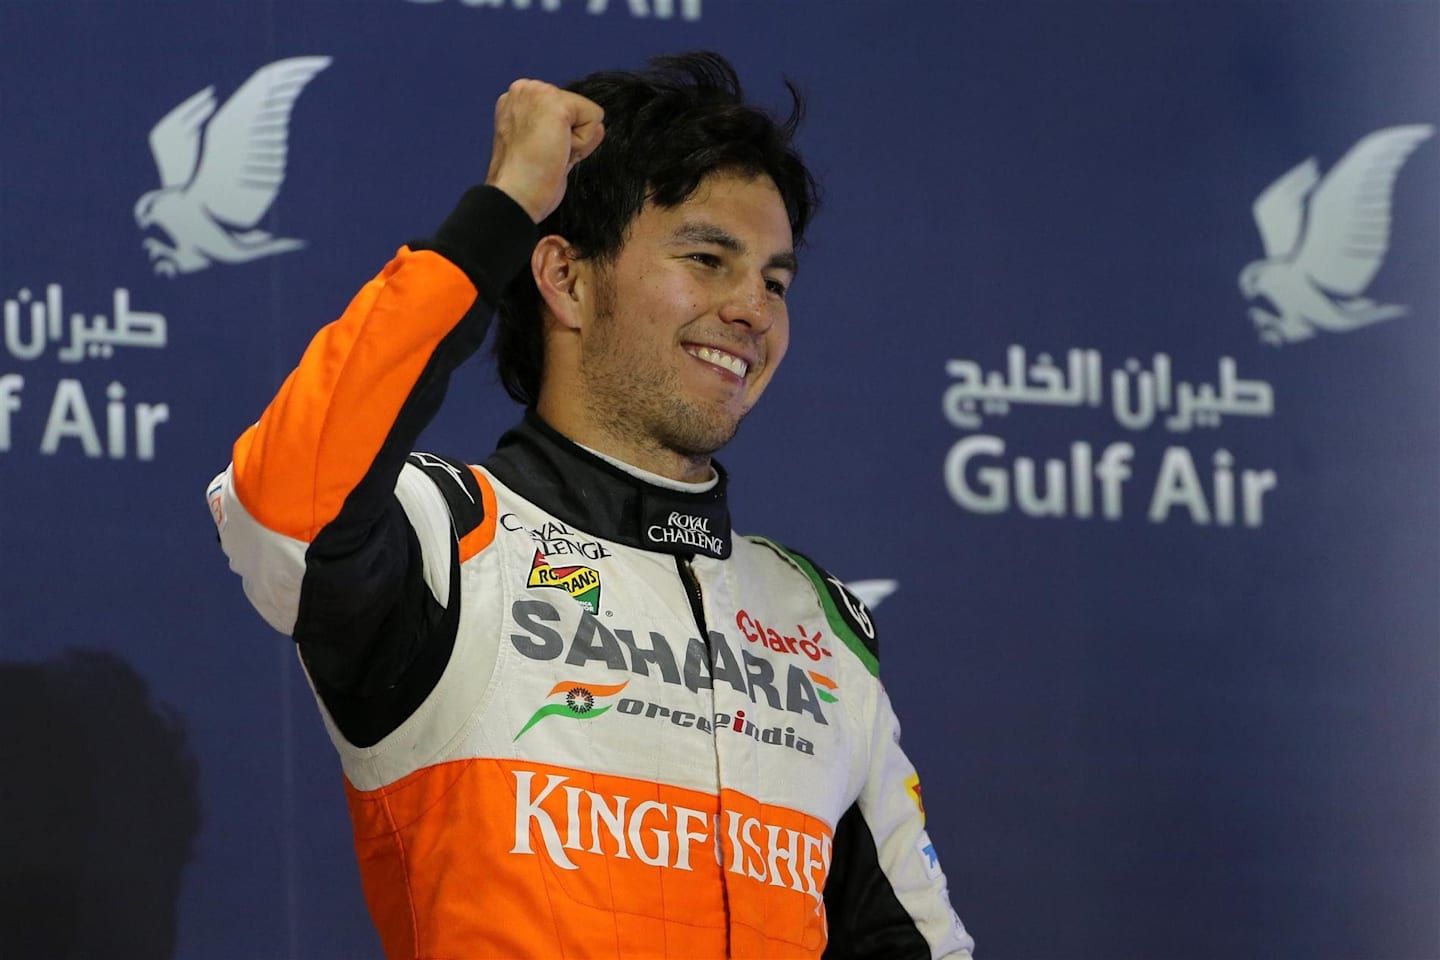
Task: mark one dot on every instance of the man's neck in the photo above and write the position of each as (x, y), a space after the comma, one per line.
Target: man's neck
(647, 455)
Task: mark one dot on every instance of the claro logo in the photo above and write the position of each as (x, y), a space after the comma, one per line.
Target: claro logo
(804, 645)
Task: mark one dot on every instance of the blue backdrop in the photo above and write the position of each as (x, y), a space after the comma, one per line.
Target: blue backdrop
(1161, 524)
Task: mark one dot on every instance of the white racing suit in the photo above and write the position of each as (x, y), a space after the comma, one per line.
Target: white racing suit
(578, 717)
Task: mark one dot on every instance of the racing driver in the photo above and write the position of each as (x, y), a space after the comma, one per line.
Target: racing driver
(577, 715)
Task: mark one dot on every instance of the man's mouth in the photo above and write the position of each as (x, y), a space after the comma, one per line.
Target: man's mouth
(719, 358)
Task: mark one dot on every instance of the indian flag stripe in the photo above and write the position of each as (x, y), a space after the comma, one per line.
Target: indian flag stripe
(596, 689)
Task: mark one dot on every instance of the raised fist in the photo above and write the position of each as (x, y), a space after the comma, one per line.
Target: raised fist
(541, 132)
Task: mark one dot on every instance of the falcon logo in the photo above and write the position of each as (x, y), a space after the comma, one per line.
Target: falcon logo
(1325, 240)
(221, 170)
(582, 583)
(579, 702)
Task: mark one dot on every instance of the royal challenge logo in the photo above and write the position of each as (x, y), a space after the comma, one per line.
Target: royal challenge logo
(221, 169)
(1325, 239)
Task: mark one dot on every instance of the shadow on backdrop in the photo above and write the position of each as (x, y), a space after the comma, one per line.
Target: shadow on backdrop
(99, 809)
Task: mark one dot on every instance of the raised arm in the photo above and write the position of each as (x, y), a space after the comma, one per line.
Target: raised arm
(338, 544)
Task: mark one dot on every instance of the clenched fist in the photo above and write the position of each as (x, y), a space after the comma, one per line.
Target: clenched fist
(541, 132)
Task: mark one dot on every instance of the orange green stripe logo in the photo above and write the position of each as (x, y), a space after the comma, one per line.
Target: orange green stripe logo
(580, 701)
(824, 687)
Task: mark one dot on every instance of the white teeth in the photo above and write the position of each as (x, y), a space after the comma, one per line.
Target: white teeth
(721, 359)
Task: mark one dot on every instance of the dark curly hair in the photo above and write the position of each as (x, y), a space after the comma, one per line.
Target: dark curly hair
(666, 129)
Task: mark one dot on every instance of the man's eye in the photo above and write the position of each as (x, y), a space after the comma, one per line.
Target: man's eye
(776, 287)
(706, 259)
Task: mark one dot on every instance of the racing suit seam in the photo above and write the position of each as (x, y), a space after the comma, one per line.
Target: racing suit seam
(405, 870)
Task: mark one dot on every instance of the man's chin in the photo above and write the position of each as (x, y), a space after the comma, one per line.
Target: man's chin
(695, 440)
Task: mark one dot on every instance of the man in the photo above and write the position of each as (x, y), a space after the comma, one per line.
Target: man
(577, 716)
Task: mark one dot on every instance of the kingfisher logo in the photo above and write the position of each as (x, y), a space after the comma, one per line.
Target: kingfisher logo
(582, 583)
(221, 168)
(578, 702)
(564, 822)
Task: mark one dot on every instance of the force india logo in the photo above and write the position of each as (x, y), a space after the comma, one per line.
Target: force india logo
(582, 583)
(578, 703)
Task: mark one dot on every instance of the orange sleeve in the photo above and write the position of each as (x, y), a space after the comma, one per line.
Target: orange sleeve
(325, 428)
(350, 413)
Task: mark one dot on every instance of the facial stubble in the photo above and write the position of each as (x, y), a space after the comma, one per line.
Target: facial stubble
(639, 400)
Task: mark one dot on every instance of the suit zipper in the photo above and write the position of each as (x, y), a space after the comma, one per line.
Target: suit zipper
(697, 608)
(692, 591)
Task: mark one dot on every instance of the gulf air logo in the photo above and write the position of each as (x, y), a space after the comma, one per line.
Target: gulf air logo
(912, 790)
(221, 167)
(582, 583)
(578, 701)
(824, 687)
(1326, 238)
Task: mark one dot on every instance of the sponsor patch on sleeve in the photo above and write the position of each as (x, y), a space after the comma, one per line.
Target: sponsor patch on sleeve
(926, 849)
(215, 496)
(912, 790)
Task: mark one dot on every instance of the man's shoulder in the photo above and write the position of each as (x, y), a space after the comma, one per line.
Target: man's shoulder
(464, 489)
(847, 615)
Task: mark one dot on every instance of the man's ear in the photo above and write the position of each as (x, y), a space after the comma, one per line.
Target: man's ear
(558, 275)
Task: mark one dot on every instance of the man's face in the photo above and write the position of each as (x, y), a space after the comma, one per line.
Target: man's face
(689, 320)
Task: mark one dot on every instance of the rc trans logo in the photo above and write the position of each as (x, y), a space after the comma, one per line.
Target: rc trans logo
(221, 170)
(1326, 239)
(578, 702)
(582, 583)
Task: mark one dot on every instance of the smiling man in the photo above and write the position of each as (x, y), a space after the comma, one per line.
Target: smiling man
(577, 715)
(664, 384)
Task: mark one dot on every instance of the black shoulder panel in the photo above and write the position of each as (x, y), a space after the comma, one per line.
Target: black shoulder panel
(865, 919)
(414, 643)
(374, 638)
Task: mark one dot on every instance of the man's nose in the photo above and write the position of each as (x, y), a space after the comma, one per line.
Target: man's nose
(748, 302)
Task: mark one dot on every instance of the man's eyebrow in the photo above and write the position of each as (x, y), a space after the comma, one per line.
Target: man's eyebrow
(784, 261)
(701, 231)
